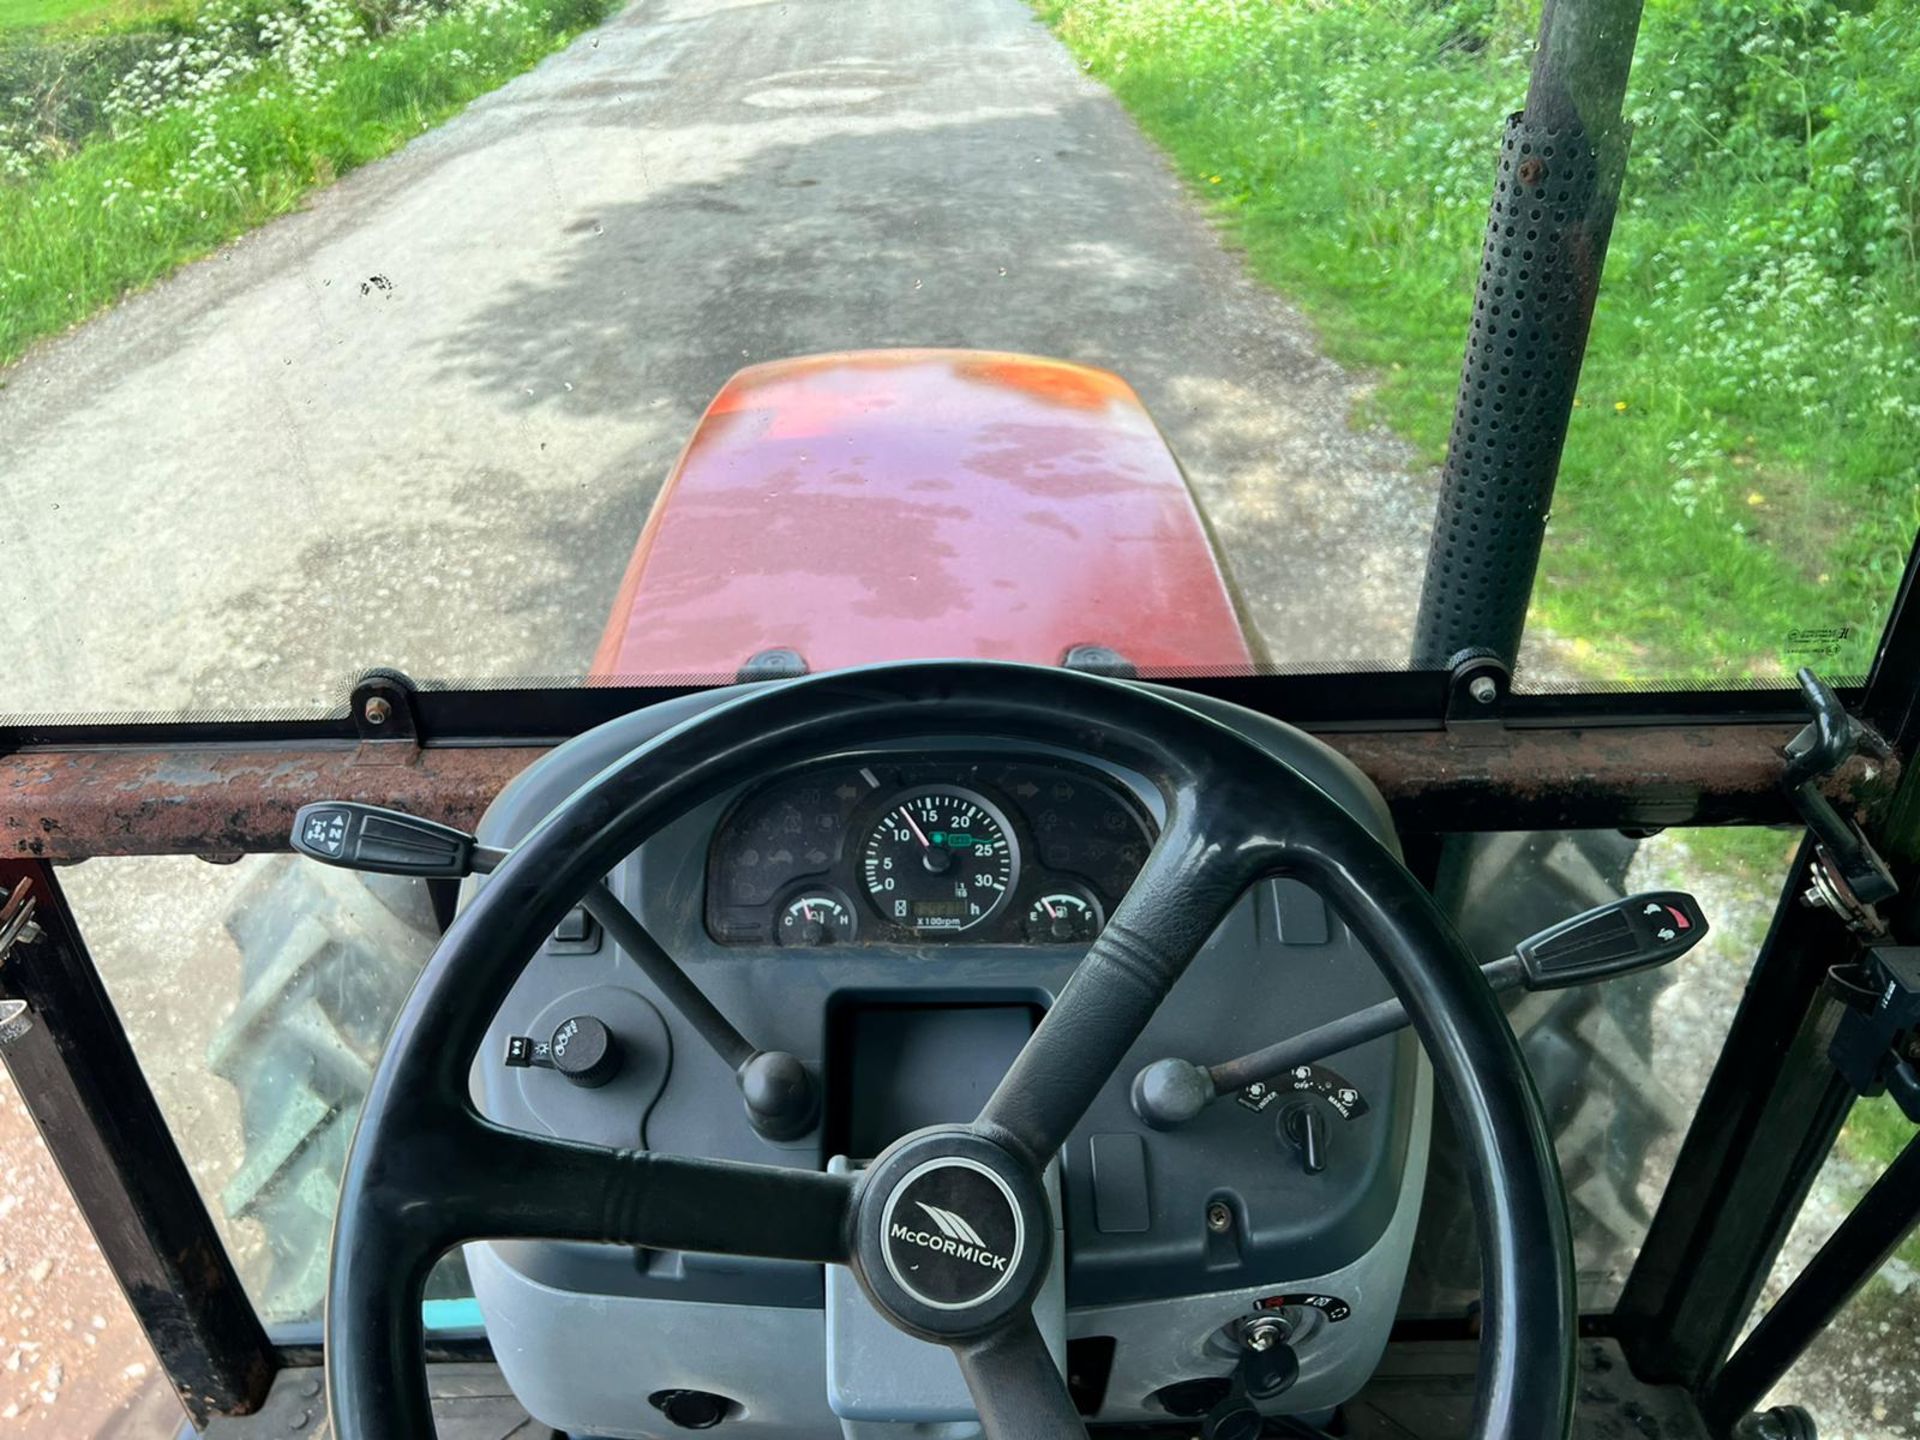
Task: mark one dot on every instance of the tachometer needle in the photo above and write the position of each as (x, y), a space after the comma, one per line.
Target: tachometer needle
(918, 833)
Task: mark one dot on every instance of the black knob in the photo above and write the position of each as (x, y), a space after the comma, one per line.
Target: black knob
(691, 1409)
(1171, 1092)
(1270, 1372)
(584, 1050)
(1234, 1418)
(780, 1094)
(1305, 1128)
(1783, 1422)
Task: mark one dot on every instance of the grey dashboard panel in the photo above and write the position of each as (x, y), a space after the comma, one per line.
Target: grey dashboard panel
(1136, 1224)
(586, 1363)
(1423, 1390)
(1165, 1342)
(582, 1361)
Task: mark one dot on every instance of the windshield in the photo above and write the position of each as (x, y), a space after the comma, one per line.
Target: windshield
(473, 338)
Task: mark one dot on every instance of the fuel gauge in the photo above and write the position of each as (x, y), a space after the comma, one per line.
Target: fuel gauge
(815, 917)
(1063, 916)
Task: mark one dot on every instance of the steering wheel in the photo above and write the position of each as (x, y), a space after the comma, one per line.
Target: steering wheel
(427, 1172)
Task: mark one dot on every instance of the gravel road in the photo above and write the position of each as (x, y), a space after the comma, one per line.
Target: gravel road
(71, 1356)
(421, 423)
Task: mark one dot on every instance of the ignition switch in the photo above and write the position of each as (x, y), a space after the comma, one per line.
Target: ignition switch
(582, 1049)
(1267, 1369)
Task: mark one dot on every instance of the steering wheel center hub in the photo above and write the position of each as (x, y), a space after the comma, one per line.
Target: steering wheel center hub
(953, 1233)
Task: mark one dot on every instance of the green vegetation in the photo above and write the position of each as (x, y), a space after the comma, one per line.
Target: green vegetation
(124, 155)
(1745, 460)
(93, 14)
(1876, 1131)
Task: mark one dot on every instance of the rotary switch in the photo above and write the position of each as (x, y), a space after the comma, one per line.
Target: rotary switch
(581, 1048)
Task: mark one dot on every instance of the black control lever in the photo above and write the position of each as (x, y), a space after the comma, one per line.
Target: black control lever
(1634, 933)
(779, 1092)
(388, 842)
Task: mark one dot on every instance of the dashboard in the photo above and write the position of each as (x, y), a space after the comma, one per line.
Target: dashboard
(899, 918)
(880, 850)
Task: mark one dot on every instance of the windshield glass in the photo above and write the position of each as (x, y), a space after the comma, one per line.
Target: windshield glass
(355, 333)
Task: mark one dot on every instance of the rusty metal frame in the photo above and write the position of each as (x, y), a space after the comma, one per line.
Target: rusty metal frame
(221, 800)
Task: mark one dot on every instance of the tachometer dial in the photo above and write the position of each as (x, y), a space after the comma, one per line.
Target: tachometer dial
(1061, 915)
(940, 859)
(815, 917)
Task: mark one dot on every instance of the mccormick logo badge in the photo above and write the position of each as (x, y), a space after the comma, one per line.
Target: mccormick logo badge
(953, 1236)
(956, 1238)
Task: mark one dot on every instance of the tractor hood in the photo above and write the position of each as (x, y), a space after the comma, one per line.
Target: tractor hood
(892, 505)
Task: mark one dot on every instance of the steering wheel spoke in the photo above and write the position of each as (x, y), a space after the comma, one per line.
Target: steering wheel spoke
(1187, 886)
(536, 1188)
(1017, 1389)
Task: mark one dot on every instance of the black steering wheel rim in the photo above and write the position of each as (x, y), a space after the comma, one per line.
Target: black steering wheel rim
(427, 1172)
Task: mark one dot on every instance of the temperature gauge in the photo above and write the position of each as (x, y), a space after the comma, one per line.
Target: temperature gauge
(1062, 916)
(815, 917)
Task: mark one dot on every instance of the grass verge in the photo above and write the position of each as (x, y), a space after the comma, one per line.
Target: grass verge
(1740, 485)
(90, 14)
(86, 229)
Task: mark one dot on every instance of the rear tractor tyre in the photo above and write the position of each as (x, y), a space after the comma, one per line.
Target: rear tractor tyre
(327, 957)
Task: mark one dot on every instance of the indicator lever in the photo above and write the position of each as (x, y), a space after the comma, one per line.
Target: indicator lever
(1636, 933)
(781, 1098)
(1618, 938)
(388, 842)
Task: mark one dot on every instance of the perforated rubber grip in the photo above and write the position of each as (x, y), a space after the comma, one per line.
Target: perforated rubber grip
(1540, 263)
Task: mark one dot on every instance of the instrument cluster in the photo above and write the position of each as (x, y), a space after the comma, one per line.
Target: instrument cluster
(885, 851)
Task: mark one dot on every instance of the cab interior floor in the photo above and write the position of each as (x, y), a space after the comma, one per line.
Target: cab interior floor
(1423, 1390)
